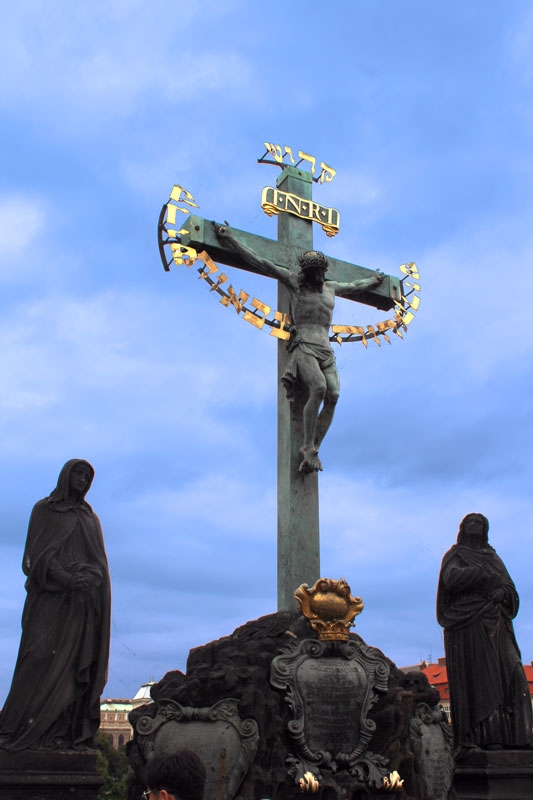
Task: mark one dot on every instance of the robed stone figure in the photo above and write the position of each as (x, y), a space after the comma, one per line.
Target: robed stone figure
(61, 670)
(476, 602)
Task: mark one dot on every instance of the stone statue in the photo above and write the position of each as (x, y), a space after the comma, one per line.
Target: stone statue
(61, 670)
(311, 359)
(476, 601)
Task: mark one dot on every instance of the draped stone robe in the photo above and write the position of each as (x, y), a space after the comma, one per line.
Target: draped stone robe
(490, 702)
(61, 670)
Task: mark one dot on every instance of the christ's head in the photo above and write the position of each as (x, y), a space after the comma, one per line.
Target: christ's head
(313, 266)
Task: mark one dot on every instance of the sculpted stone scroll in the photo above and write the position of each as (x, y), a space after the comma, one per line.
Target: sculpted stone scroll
(330, 687)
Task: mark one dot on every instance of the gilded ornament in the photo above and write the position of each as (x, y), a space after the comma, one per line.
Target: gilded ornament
(330, 608)
(392, 783)
(309, 783)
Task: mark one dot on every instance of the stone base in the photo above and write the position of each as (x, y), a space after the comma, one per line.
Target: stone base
(495, 775)
(48, 775)
(236, 673)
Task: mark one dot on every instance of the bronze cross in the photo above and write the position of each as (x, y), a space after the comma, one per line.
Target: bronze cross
(298, 514)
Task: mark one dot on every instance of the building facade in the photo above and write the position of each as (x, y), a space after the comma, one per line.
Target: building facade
(114, 715)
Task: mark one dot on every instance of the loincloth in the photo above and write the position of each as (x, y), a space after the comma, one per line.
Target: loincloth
(323, 355)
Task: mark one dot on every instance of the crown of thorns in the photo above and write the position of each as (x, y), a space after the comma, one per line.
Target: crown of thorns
(313, 259)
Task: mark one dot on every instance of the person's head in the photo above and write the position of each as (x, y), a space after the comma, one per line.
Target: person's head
(74, 481)
(313, 266)
(473, 531)
(179, 776)
(80, 479)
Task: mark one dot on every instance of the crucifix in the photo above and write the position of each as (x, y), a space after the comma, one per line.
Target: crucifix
(306, 365)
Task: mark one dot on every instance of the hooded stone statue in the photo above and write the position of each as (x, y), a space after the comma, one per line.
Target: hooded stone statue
(61, 670)
(476, 603)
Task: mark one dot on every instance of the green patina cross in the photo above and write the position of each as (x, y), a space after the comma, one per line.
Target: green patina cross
(298, 517)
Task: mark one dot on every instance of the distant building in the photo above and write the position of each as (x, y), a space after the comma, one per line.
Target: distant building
(437, 676)
(114, 715)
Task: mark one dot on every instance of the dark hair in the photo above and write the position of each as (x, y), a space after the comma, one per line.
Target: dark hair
(313, 259)
(182, 774)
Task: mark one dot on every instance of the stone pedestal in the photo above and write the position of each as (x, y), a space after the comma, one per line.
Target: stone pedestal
(271, 702)
(48, 775)
(495, 775)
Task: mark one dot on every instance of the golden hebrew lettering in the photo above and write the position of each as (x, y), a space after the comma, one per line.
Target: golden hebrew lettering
(174, 234)
(258, 322)
(183, 255)
(399, 321)
(274, 201)
(398, 332)
(410, 269)
(278, 152)
(413, 303)
(385, 326)
(218, 283)
(348, 329)
(236, 302)
(371, 331)
(171, 213)
(281, 333)
(275, 150)
(181, 195)
(210, 266)
(327, 174)
(289, 151)
(311, 159)
(351, 330)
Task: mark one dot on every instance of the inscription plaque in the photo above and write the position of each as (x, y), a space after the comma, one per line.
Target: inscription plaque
(330, 688)
(332, 691)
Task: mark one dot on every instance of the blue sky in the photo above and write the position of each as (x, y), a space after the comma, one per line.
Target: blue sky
(425, 111)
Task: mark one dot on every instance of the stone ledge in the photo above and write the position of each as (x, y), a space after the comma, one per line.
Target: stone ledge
(495, 775)
(48, 775)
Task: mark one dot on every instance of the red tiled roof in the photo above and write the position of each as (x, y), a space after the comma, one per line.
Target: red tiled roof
(438, 677)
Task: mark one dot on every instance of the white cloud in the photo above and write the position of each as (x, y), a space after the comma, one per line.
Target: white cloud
(242, 508)
(22, 221)
(477, 296)
(108, 57)
(121, 369)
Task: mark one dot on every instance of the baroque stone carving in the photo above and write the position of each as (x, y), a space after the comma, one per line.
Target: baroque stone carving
(226, 743)
(432, 742)
(331, 687)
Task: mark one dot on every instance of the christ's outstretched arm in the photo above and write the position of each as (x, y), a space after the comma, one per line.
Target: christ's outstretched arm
(262, 265)
(352, 289)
